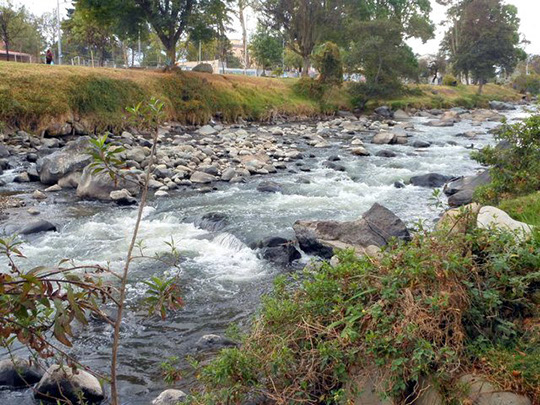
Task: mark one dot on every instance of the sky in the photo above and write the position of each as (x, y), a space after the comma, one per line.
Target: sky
(528, 11)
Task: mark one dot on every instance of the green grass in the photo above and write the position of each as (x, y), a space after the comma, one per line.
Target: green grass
(34, 96)
(525, 209)
(448, 97)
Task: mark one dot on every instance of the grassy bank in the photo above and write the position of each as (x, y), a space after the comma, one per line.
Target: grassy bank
(427, 96)
(34, 96)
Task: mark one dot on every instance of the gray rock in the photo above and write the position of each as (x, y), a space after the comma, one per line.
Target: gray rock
(213, 221)
(421, 144)
(37, 227)
(18, 373)
(202, 178)
(269, 187)
(401, 115)
(376, 227)
(38, 195)
(72, 158)
(122, 197)
(4, 151)
(278, 250)
(360, 151)
(491, 217)
(386, 154)
(22, 178)
(98, 186)
(58, 129)
(213, 342)
(482, 392)
(384, 138)
(62, 382)
(501, 106)
(203, 68)
(430, 180)
(170, 397)
(228, 174)
(440, 123)
(384, 112)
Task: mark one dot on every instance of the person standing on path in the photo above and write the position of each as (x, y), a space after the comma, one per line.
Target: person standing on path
(49, 57)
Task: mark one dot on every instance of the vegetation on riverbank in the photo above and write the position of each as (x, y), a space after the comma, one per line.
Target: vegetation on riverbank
(32, 97)
(437, 307)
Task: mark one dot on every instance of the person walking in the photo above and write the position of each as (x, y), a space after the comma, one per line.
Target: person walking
(49, 57)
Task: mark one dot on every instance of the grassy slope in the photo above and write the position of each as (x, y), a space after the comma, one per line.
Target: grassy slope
(34, 96)
(448, 97)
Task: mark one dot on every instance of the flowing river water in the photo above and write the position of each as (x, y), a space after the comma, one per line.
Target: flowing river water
(222, 278)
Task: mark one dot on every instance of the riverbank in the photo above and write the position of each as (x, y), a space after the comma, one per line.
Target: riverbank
(66, 99)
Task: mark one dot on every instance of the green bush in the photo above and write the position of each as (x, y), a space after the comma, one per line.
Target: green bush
(361, 93)
(527, 83)
(329, 63)
(310, 88)
(425, 308)
(449, 80)
(515, 162)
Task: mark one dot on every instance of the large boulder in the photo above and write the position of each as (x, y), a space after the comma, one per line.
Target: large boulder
(18, 373)
(202, 178)
(203, 68)
(213, 221)
(278, 250)
(491, 217)
(269, 187)
(384, 138)
(376, 227)
(79, 387)
(73, 157)
(430, 180)
(460, 191)
(37, 227)
(459, 220)
(98, 186)
(384, 112)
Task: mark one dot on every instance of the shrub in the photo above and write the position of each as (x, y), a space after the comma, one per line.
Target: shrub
(515, 162)
(361, 93)
(425, 308)
(449, 80)
(309, 88)
(330, 64)
(527, 83)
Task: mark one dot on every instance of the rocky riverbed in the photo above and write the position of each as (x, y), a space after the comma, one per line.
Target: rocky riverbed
(229, 196)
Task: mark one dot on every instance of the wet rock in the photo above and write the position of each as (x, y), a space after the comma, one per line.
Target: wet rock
(384, 112)
(501, 106)
(213, 221)
(98, 186)
(399, 184)
(202, 178)
(430, 180)
(32, 157)
(440, 123)
(53, 189)
(4, 151)
(38, 195)
(386, 154)
(269, 187)
(37, 227)
(228, 174)
(213, 342)
(22, 178)
(78, 387)
(122, 197)
(161, 193)
(18, 373)
(376, 227)
(384, 138)
(401, 115)
(207, 130)
(72, 158)
(170, 397)
(360, 151)
(461, 190)
(279, 251)
(335, 166)
(491, 217)
(421, 144)
(33, 211)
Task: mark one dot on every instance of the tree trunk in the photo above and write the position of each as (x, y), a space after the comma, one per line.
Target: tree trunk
(7, 50)
(171, 54)
(306, 65)
(480, 85)
(242, 19)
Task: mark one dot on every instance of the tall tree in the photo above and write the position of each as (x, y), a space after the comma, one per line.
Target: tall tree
(266, 47)
(242, 5)
(483, 37)
(302, 21)
(12, 23)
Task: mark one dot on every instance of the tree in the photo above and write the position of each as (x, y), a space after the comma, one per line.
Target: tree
(329, 64)
(483, 38)
(266, 47)
(242, 5)
(292, 60)
(302, 21)
(12, 23)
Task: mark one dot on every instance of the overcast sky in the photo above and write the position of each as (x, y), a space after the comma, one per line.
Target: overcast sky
(529, 12)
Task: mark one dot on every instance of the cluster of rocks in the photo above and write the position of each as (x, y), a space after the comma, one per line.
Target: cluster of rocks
(56, 382)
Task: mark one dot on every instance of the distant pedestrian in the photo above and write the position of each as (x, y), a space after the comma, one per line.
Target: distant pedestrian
(49, 57)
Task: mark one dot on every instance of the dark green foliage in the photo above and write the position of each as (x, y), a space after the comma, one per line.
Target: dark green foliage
(309, 88)
(515, 163)
(425, 308)
(527, 83)
(362, 93)
(266, 47)
(329, 64)
(449, 80)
